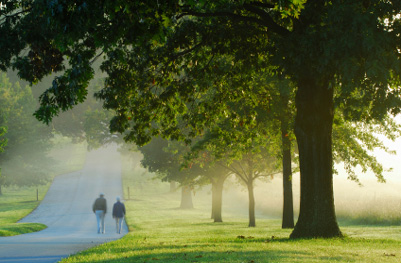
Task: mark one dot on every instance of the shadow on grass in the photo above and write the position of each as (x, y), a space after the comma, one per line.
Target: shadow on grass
(370, 218)
(368, 221)
(219, 224)
(29, 202)
(226, 256)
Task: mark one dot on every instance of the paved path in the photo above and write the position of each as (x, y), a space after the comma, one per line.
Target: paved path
(67, 211)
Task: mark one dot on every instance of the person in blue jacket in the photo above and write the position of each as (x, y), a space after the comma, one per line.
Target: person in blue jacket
(118, 214)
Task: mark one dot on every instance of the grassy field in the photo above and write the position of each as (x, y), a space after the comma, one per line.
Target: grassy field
(17, 202)
(160, 232)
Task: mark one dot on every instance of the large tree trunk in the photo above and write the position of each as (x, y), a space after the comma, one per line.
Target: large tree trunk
(252, 221)
(313, 129)
(288, 211)
(217, 199)
(186, 198)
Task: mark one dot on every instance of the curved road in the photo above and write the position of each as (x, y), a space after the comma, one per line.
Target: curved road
(67, 211)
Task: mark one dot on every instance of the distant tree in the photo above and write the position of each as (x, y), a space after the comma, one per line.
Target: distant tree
(166, 161)
(209, 171)
(3, 143)
(253, 165)
(95, 127)
(246, 158)
(24, 159)
(217, 176)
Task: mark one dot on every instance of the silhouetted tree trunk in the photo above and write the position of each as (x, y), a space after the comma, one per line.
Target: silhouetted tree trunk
(313, 129)
(288, 210)
(217, 198)
(173, 186)
(252, 221)
(186, 198)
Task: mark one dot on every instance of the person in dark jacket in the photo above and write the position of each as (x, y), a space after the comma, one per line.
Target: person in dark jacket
(100, 209)
(118, 214)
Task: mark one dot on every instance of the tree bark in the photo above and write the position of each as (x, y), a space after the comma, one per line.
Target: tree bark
(217, 199)
(252, 221)
(313, 129)
(288, 210)
(186, 198)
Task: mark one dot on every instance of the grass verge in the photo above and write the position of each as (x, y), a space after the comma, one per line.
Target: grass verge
(160, 232)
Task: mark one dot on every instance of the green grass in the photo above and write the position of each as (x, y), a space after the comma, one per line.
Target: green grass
(17, 202)
(159, 232)
(20, 228)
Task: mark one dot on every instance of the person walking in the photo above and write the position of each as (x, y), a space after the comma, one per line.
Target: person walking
(118, 214)
(100, 209)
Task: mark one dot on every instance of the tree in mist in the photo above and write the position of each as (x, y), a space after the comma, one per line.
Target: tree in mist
(263, 116)
(248, 169)
(88, 121)
(169, 160)
(217, 176)
(24, 159)
(247, 158)
(85, 122)
(209, 171)
(96, 130)
(3, 139)
(3, 143)
(341, 47)
(160, 158)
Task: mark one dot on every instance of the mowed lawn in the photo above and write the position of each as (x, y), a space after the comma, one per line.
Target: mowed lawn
(160, 232)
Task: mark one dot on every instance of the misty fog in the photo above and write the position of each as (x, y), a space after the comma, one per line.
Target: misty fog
(369, 202)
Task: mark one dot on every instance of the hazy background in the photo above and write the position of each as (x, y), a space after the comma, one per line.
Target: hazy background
(370, 203)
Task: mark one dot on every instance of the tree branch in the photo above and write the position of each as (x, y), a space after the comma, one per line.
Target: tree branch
(3, 19)
(244, 176)
(235, 171)
(271, 24)
(265, 20)
(223, 14)
(267, 175)
(184, 52)
(95, 58)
